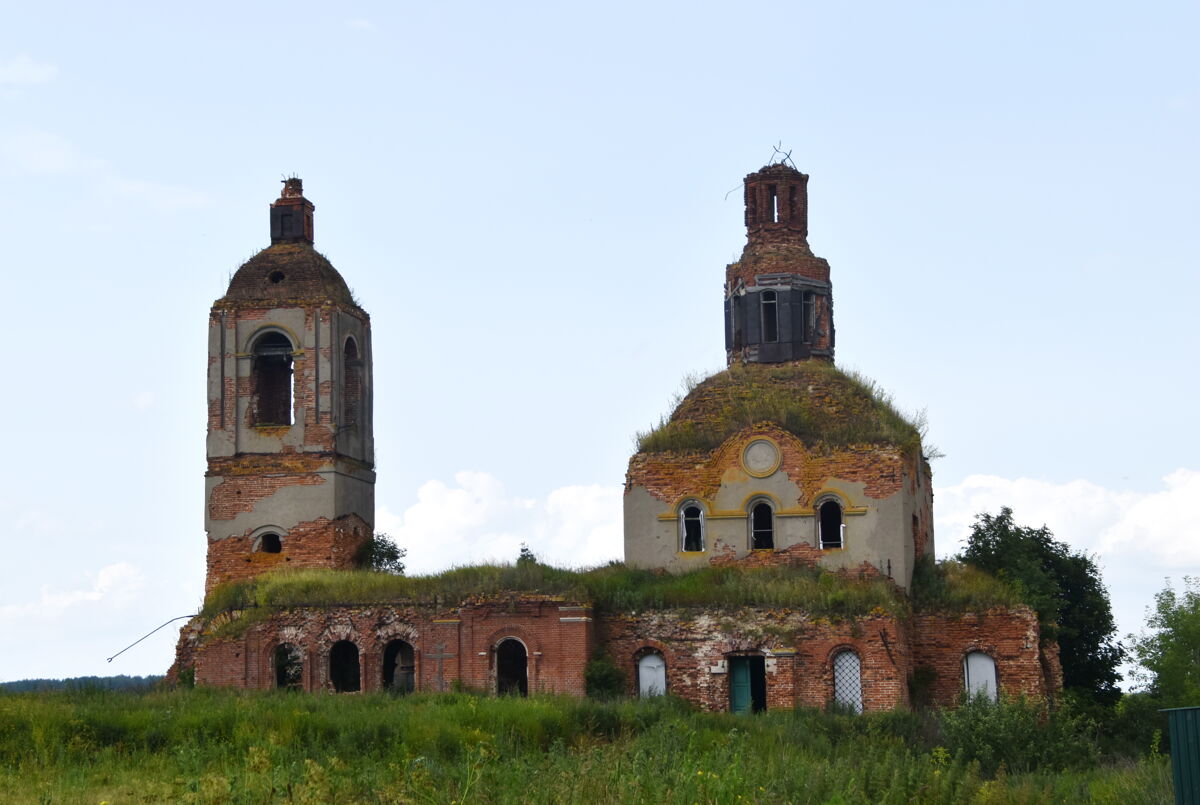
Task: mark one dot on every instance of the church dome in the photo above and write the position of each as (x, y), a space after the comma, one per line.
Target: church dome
(813, 400)
(290, 271)
(287, 273)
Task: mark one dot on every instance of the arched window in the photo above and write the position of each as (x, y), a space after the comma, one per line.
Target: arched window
(289, 666)
(269, 543)
(652, 675)
(830, 525)
(691, 526)
(847, 681)
(351, 384)
(399, 668)
(979, 676)
(272, 379)
(762, 526)
(770, 317)
(343, 667)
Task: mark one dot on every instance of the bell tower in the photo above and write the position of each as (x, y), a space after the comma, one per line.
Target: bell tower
(291, 479)
(778, 298)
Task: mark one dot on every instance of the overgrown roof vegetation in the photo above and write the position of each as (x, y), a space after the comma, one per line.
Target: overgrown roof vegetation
(613, 587)
(954, 586)
(949, 586)
(814, 400)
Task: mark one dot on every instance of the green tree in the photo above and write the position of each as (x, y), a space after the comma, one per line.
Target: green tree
(381, 553)
(1168, 656)
(1065, 588)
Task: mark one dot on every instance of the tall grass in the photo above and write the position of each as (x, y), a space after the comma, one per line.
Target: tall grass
(209, 746)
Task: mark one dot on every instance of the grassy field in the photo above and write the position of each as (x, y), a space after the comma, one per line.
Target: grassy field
(209, 746)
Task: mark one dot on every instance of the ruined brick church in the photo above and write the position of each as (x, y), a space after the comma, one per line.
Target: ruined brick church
(290, 484)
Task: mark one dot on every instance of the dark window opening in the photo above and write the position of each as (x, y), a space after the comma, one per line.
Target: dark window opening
(343, 667)
(770, 317)
(289, 666)
(807, 317)
(774, 196)
(693, 528)
(270, 543)
(272, 376)
(399, 668)
(747, 684)
(276, 277)
(762, 525)
(351, 384)
(512, 668)
(831, 524)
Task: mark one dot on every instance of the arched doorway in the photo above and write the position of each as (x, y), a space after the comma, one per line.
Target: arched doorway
(289, 666)
(652, 675)
(343, 667)
(399, 668)
(512, 668)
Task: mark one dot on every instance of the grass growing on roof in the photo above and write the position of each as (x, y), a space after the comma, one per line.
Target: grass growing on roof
(953, 586)
(814, 400)
(612, 587)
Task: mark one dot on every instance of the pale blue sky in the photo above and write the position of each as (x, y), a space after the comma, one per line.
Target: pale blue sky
(531, 201)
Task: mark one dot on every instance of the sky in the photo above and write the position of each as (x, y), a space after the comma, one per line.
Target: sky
(536, 202)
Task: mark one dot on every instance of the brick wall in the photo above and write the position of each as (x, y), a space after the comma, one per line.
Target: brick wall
(317, 543)
(456, 647)
(1009, 636)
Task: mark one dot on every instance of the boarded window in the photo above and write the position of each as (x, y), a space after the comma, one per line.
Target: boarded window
(979, 676)
(652, 675)
(512, 668)
(691, 523)
(770, 317)
(272, 380)
(351, 384)
(847, 681)
(343, 667)
(399, 668)
(289, 666)
(762, 527)
(830, 525)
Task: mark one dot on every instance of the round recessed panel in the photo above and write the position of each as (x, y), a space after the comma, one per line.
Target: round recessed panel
(761, 457)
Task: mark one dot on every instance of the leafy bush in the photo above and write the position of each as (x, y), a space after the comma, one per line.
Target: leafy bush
(954, 586)
(603, 679)
(381, 554)
(1018, 735)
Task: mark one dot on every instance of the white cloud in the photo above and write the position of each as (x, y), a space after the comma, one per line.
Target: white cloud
(116, 585)
(1137, 538)
(36, 152)
(477, 520)
(21, 70)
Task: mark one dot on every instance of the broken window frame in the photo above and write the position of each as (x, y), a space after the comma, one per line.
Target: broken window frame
(273, 379)
(685, 521)
(829, 544)
(760, 533)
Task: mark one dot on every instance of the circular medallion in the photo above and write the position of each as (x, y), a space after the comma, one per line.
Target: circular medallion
(760, 458)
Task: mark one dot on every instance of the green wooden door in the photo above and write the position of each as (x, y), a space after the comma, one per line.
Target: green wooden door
(740, 700)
